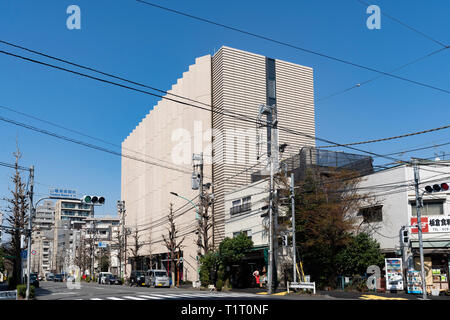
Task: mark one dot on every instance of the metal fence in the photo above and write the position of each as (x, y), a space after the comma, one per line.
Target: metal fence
(319, 159)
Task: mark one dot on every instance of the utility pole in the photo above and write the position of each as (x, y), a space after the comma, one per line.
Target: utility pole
(419, 224)
(29, 231)
(294, 255)
(198, 171)
(122, 236)
(271, 124)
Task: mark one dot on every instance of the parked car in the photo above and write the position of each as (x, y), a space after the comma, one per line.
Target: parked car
(49, 277)
(34, 281)
(137, 278)
(113, 279)
(157, 278)
(58, 278)
(102, 277)
(71, 279)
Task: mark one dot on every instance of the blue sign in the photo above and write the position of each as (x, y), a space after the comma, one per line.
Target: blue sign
(102, 245)
(23, 254)
(63, 193)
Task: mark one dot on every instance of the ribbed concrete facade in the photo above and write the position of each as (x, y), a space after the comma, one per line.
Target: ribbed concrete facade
(172, 132)
(232, 81)
(240, 86)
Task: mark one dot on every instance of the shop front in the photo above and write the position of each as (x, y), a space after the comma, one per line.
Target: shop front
(436, 265)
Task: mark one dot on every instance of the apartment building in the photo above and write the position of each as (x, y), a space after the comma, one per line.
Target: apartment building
(70, 215)
(104, 231)
(42, 238)
(230, 82)
(395, 212)
(247, 208)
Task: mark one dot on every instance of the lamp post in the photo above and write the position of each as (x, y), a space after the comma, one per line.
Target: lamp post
(198, 217)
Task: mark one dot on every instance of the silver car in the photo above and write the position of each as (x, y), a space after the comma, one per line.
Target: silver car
(157, 278)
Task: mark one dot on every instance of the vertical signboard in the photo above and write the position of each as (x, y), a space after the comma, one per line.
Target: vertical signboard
(394, 274)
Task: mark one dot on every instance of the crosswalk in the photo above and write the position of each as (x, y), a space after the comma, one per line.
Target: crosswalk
(177, 296)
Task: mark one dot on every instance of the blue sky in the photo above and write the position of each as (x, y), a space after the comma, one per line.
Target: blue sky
(155, 47)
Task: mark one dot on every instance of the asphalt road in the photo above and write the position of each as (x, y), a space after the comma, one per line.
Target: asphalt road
(93, 291)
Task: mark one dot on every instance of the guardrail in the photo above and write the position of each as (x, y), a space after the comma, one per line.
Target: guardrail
(302, 285)
(8, 295)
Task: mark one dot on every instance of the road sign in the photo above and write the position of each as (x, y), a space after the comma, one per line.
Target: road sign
(23, 254)
(8, 295)
(33, 252)
(102, 245)
(62, 193)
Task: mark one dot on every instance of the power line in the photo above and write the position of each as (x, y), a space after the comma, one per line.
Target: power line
(391, 138)
(358, 85)
(240, 117)
(85, 143)
(292, 46)
(78, 132)
(383, 12)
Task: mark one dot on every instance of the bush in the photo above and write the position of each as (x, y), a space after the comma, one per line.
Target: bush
(219, 285)
(22, 291)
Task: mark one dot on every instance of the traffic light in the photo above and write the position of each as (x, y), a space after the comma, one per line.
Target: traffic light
(405, 236)
(93, 199)
(285, 240)
(437, 188)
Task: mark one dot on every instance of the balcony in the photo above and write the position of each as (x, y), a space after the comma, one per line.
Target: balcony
(241, 208)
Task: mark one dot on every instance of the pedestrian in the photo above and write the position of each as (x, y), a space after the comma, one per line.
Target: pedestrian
(256, 275)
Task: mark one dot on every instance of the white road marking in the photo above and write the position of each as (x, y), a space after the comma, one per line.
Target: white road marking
(114, 298)
(149, 297)
(95, 299)
(133, 298)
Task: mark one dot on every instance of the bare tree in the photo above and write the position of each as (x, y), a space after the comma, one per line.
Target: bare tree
(82, 256)
(205, 224)
(171, 242)
(135, 247)
(16, 216)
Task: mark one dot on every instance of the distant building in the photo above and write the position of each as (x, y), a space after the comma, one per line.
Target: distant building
(42, 238)
(70, 215)
(104, 232)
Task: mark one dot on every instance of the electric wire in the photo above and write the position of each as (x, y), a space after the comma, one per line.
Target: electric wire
(292, 46)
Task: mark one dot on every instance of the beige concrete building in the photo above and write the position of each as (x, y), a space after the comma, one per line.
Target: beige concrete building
(232, 81)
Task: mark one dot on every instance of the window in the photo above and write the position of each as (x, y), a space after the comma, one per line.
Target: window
(430, 208)
(237, 207)
(247, 232)
(371, 214)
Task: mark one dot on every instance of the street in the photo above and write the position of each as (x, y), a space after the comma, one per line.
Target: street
(92, 291)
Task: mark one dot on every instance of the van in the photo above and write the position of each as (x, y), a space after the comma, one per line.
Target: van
(157, 278)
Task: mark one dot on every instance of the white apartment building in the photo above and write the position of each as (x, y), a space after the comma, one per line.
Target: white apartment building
(42, 238)
(104, 230)
(395, 211)
(233, 81)
(247, 207)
